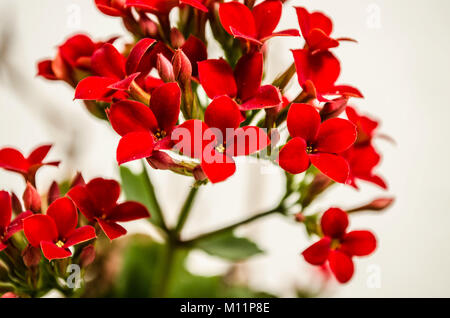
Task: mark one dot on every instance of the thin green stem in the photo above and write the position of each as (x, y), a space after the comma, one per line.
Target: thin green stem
(186, 209)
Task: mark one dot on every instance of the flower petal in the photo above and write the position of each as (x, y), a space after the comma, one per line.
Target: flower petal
(247, 140)
(248, 73)
(335, 135)
(80, 196)
(236, 15)
(303, 121)
(135, 145)
(334, 223)
(196, 4)
(5, 211)
(333, 166)
(267, 96)
(104, 193)
(77, 46)
(38, 154)
(293, 157)
(108, 62)
(128, 211)
(17, 224)
(223, 113)
(125, 84)
(165, 104)
(64, 214)
(51, 251)
(38, 228)
(317, 253)
(341, 265)
(267, 15)
(318, 40)
(94, 88)
(358, 243)
(216, 77)
(196, 52)
(12, 159)
(130, 116)
(111, 229)
(139, 59)
(189, 138)
(80, 235)
(220, 168)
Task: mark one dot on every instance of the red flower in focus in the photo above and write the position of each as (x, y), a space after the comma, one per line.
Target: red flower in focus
(12, 160)
(8, 227)
(256, 25)
(164, 6)
(114, 8)
(97, 200)
(317, 143)
(217, 140)
(338, 247)
(115, 73)
(244, 84)
(57, 230)
(143, 129)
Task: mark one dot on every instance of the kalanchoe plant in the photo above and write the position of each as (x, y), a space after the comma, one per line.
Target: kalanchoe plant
(176, 109)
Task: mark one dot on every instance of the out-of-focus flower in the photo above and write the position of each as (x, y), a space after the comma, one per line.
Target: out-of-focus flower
(97, 200)
(163, 7)
(316, 143)
(337, 246)
(114, 8)
(57, 230)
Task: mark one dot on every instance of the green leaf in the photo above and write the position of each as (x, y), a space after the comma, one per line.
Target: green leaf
(138, 187)
(229, 246)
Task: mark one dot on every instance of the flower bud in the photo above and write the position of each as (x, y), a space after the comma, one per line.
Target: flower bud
(160, 160)
(376, 205)
(31, 256)
(31, 199)
(333, 109)
(16, 205)
(148, 27)
(78, 180)
(165, 68)
(176, 38)
(53, 193)
(87, 256)
(198, 173)
(182, 67)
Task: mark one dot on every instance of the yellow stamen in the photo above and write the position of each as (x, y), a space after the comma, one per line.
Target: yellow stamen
(60, 243)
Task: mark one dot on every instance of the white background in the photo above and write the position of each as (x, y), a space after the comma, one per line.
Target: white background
(401, 64)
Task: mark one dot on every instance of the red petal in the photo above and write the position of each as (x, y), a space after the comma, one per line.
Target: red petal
(124, 85)
(94, 88)
(293, 157)
(13, 160)
(216, 77)
(346, 90)
(303, 121)
(267, 96)
(80, 196)
(135, 145)
(139, 59)
(64, 214)
(196, 51)
(318, 20)
(111, 229)
(245, 37)
(45, 70)
(80, 235)
(189, 138)
(130, 116)
(318, 40)
(2, 247)
(358, 243)
(154, 6)
(51, 251)
(108, 62)
(104, 193)
(128, 211)
(247, 140)
(75, 47)
(267, 15)
(107, 7)
(317, 253)
(165, 104)
(5, 211)
(38, 228)
(218, 168)
(333, 166)
(248, 73)
(341, 265)
(288, 32)
(334, 223)
(335, 135)
(236, 15)
(39, 154)
(17, 224)
(223, 113)
(196, 4)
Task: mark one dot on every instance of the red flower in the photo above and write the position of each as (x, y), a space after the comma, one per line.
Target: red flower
(114, 8)
(365, 125)
(164, 6)
(244, 84)
(57, 230)
(97, 200)
(256, 25)
(12, 160)
(217, 140)
(7, 227)
(114, 72)
(317, 143)
(337, 246)
(143, 129)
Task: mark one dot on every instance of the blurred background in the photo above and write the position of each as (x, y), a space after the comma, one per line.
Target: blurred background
(402, 67)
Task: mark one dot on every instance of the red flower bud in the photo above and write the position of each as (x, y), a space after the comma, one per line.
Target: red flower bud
(176, 38)
(333, 109)
(16, 205)
(53, 193)
(31, 199)
(376, 205)
(165, 68)
(160, 160)
(199, 175)
(31, 256)
(182, 67)
(78, 180)
(87, 255)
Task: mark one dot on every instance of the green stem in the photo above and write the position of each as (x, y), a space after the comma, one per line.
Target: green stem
(156, 207)
(186, 209)
(167, 269)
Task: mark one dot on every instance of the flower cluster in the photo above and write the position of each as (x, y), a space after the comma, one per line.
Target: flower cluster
(182, 111)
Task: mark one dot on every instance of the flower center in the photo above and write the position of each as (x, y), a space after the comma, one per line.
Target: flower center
(310, 149)
(220, 148)
(160, 134)
(60, 243)
(335, 244)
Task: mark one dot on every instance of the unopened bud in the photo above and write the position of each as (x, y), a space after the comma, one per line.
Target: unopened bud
(87, 256)
(182, 67)
(31, 198)
(148, 27)
(16, 205)
(199, 174)
(376, 205)
(333, 109)
(160, 160)
(165, 68)
(53, 193)
(31, 256)
(176, 38)
(78, 180)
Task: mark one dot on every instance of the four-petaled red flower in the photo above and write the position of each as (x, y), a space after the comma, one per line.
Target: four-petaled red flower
(338, 247)
(97, 200)
(146, 129)
(256, 25)
(244, 84)
(164, 6)
(57, 230)
(7, 227)
(217, 140)
(114, 73)
(317, 143)
(12, 160)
